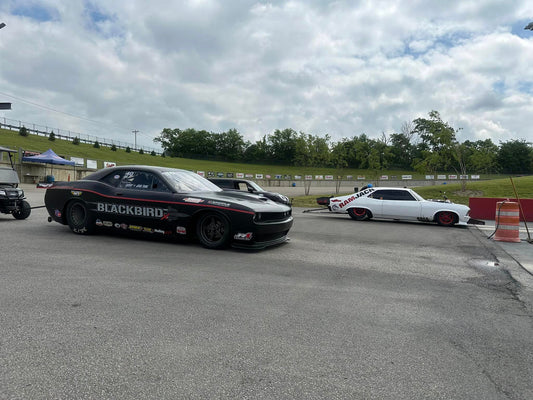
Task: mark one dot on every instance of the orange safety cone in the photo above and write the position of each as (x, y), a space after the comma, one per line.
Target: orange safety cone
(507, 222)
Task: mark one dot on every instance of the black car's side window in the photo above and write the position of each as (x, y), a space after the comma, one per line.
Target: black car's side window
(140, 180)
(242, 186)
(113, 178)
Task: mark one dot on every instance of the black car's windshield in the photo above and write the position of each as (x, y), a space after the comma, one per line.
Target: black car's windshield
(186, 181)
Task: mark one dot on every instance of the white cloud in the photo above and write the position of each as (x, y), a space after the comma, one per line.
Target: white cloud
(322, 67)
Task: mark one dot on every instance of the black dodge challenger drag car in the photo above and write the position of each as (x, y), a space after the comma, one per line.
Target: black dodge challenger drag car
(167, 201)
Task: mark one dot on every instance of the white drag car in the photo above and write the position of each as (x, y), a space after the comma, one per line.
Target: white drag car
(398, 204)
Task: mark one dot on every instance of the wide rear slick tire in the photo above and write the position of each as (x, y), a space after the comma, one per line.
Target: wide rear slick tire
(24, 210)
(359, 214)
(213, 230)
(446, 218)
(79, 218)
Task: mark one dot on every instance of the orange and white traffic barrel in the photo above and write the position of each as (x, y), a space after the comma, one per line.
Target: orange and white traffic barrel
(507, 222)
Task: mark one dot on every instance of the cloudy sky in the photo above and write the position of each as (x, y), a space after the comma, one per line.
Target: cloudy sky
(341, 68)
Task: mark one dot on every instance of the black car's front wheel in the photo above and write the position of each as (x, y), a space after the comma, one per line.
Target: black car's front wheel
(213, 230)
(23, 211)
(79, 218)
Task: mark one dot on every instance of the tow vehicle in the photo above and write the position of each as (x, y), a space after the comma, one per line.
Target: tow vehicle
(12, 200)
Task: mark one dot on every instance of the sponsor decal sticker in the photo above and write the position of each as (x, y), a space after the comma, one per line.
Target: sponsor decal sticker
(124, 209)
(98, 222)
(135, 228)
(123, 226)
(148, 230)
(108, 223)
(181, 230)
(192, 200)
(243, 236)
(75, 192)
(57, 213)
(161, 231)
(117, 225)
(218, 203)
(355, 196)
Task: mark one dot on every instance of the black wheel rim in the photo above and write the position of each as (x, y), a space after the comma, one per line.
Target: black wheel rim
(77, 215)
(213, 229)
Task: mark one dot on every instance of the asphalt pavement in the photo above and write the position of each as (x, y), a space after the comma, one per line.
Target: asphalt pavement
(345, 310)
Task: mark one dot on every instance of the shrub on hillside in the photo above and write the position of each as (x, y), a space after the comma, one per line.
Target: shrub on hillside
(23, 131)
(141, 151)
(113, 148)
(52, 136)
(152, 153)
(128, 150)
(96, 145)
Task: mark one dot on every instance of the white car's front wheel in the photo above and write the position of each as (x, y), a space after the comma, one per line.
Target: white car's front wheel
(446, 218)
(359, 214)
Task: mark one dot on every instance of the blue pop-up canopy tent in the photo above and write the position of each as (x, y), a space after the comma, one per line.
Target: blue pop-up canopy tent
(48, 157)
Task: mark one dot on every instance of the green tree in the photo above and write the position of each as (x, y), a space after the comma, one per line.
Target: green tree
(283, 145)
(482, 156)
(96, 145)
(258, 152)
(439, 139)
(229, 145)
(23, 131)
(76, 140)
(128, 149)
(52, 136)
(515, 157)
(141, 151)
(153, 153)
(113, 147)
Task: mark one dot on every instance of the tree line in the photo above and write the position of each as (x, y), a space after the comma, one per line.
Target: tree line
(425, 145)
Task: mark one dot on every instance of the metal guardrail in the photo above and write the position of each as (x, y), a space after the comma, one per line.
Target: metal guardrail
(64, 134)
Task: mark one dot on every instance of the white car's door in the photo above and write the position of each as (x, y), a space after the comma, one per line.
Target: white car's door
(397, 204)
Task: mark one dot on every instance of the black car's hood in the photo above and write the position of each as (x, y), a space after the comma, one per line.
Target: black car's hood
(254, 201)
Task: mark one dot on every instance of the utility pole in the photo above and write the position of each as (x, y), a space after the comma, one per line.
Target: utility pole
(135, 133)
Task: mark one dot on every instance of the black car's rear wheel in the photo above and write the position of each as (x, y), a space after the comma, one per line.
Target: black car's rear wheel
(359, 214)
(23, 211)
(79, 218)
(213, 231)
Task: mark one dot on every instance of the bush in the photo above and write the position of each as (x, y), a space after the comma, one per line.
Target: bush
(76, 141)
(128, 150)
(52, 136)
(96, 145)
(113, 148)
(152, 153)
(23, 131)
(141, 151)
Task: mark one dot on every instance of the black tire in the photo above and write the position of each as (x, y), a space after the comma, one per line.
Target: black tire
(446, 218)
(79, 218)
(213, 230)
(24, 210)
(359, 214)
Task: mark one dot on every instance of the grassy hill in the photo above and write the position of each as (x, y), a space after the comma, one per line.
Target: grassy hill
(494, 188)
(65, 148)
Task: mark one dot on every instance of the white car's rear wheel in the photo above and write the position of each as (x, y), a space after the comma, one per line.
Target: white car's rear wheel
(359, 214)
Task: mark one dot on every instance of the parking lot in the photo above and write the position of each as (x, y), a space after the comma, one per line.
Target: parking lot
(345, 310)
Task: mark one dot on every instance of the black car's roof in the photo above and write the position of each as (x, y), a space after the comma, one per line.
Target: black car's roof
(98, 174)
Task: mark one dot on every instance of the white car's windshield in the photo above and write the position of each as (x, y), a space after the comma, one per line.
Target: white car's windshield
(186, 181)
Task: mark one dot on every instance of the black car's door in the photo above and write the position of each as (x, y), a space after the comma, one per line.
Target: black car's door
(140, 201)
